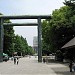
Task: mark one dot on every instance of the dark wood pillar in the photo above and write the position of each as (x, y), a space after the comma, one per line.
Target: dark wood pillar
(39, 41)
(1, 40)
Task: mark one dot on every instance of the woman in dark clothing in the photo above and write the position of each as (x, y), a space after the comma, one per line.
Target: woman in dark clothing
(14, 60)
(71, 66)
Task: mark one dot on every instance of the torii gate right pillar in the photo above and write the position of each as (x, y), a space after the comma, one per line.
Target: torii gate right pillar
(39, 41)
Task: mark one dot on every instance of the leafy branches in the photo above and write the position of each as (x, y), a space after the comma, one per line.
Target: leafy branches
(60, 29)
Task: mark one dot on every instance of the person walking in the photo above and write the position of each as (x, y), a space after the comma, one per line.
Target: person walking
(44, 60)
(14, 60)
(17, 61)
(71, 66)
(74, 67)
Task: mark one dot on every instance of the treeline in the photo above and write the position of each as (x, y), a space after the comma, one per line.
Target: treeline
(15, 43)
(59, 29)
(21, 46)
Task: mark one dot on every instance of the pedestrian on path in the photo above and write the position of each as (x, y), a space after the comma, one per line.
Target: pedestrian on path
(14, 60)
(71, 65)
(44, 60)
(74, 67)
(17, 61)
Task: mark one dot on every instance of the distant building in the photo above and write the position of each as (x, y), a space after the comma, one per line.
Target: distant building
(35, 43)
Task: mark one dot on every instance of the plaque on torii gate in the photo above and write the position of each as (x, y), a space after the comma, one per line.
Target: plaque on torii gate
(2, 18)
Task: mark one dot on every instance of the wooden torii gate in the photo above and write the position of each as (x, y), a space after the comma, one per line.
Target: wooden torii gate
(2, 18)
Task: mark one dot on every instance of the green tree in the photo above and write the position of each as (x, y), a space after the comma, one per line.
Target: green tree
(70, 3)
(21, 46)
(25, 45)
(60, 29)
(8, 38)
(18, 47)
(30, 50)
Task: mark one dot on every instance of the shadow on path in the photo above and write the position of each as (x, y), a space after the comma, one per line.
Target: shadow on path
(60, 68)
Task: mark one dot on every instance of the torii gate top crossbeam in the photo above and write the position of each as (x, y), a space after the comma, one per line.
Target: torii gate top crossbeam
(25, 17)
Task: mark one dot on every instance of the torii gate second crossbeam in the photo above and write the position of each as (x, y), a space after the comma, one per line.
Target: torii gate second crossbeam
(2, 18)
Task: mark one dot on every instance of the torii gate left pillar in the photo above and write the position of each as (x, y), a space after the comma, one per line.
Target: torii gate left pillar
(1, 40)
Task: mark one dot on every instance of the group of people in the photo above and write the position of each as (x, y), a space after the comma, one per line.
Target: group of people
(16, 60)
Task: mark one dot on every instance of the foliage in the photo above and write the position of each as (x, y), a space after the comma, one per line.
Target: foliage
(8, 39)
(59, 55)
(59, 30)
(21, 46)
(30, 50)
(70, 3)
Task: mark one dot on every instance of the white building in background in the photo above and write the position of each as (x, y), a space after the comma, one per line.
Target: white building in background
(35, 43)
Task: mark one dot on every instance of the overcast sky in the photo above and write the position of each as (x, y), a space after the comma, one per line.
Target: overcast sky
(28, 7)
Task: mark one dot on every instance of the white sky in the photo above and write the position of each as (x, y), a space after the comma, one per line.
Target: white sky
(28, 7)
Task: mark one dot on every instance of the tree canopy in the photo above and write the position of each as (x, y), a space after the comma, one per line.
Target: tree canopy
(59, 30)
